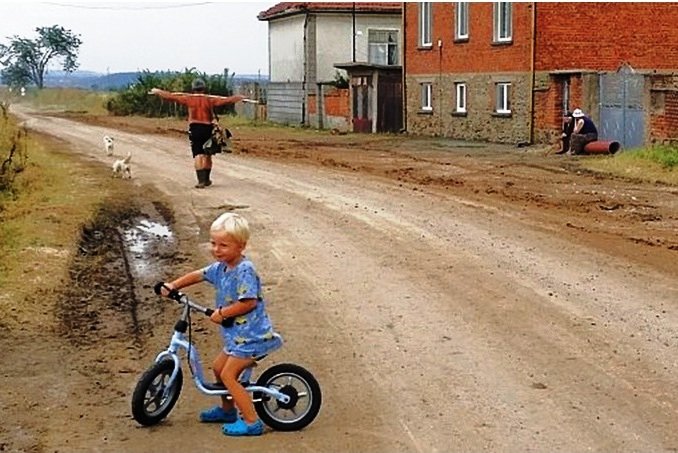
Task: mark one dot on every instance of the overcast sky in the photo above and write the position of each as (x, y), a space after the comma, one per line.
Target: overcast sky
(131, 36)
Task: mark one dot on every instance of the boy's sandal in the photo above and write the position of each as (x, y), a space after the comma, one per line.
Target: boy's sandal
(217, 414)
(242, 428)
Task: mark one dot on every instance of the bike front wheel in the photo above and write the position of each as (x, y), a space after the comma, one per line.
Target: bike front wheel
(304, 392)
(153, 397)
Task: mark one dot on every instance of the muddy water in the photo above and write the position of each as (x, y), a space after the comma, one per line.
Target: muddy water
(141, 242)
(122, 252)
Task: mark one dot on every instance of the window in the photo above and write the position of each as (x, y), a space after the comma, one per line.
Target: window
(460, 89)
(503, 91)
(383, 47)
(426, 97)
(461, 31)
(503, 22)
(425, 24)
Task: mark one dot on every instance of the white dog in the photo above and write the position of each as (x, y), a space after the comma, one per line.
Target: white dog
(121, 167)
(108, 145)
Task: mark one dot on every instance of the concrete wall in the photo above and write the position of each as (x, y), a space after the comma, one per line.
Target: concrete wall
(334, 39)
(286, 49)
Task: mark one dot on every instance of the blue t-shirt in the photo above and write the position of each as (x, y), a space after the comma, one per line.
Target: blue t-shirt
(252, 334)
(588, 127)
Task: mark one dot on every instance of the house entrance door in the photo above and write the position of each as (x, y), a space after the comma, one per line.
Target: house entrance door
(389, 104)
(362, 118)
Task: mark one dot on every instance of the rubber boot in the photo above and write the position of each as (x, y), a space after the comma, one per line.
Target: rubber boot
(201, 179)
(208, 181)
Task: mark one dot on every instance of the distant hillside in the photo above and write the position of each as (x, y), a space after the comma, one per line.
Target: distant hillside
(106, 82)
(90, 80)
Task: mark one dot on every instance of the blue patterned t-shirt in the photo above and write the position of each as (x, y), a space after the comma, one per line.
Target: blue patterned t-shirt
(252, 334)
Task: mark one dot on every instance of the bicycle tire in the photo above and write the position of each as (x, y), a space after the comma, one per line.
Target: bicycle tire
(141, 404)
(274, 413)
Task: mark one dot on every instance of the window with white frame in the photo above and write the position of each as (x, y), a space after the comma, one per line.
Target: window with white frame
(503, 103)
(427, 96)
(503, 20)
(425, 24)
(383, 47)
(460, 90)
(461, 28)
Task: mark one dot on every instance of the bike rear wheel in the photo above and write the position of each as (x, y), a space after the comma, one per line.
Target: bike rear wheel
(153, 399)
(304, 392)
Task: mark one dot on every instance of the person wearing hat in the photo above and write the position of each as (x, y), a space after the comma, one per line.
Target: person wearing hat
(584, 132)
(200, 123)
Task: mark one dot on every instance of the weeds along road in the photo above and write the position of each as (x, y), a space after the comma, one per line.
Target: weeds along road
(433, 321)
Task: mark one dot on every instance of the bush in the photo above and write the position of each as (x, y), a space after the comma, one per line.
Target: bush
(13, 153)
(135, 100)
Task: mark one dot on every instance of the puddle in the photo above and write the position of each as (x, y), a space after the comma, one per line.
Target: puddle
(138, 237)
(143, 242)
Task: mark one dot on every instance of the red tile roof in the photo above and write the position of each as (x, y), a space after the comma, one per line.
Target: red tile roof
(291, 8)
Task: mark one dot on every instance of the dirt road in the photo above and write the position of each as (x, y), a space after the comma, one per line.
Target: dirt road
(447, 297)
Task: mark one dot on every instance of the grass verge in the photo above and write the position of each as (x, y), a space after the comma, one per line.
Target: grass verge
(653, 164)
(40, 226)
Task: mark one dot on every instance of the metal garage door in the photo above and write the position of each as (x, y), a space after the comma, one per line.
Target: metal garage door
(622, 116)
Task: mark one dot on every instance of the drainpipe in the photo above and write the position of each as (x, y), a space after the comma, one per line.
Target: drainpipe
(533, 46)
(304, 101)
(440, 87)
(403, 49)
(353, 55)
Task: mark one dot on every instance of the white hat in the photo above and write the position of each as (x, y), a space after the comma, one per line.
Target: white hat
(578, 113)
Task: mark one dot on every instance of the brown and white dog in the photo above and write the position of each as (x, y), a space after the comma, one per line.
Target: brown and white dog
(121, 167)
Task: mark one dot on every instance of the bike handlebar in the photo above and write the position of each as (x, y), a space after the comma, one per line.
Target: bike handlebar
(182, 298)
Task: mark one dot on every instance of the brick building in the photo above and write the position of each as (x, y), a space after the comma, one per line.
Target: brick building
(506, 72)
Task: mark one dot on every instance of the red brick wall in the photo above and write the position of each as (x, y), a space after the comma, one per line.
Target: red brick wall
(602, 36)
(664, 122)
(577, 35)
(548, 105)
(548, 112)
(337, 102)
(479, 54)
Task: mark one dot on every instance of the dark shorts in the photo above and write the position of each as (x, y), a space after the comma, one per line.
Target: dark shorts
(198, 134)
(579, 141)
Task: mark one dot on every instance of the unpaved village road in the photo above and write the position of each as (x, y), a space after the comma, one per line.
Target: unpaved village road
(446, 299)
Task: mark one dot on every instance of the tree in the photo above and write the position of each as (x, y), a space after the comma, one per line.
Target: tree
(26, 61)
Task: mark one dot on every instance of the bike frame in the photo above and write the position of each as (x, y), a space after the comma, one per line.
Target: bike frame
(179, 342)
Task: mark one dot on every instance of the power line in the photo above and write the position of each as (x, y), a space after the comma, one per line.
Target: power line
(128, 8)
